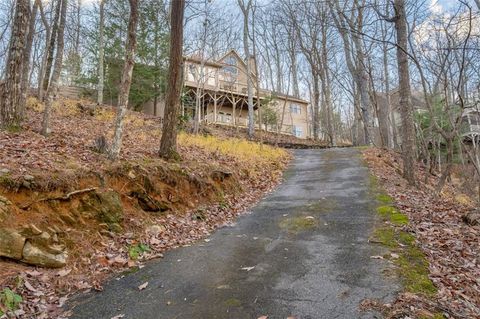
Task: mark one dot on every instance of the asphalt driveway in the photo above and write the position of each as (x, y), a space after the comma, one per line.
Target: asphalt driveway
(302, 252)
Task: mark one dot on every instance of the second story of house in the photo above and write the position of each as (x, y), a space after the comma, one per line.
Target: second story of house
(229, 73)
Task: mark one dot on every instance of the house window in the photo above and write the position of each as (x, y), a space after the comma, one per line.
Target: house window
(295, 109)
(297, 131)
(224, 117)
(231, 66)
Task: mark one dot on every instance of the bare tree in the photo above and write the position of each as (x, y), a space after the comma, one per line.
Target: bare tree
(52, 89)
(406, 110)
(51, 47)
(126, 80)
(26, 58)
(11, 95)
(246, 8)
(101, 53)
(168, 142)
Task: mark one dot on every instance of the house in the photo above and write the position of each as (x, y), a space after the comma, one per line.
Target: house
(469, 128)
(218, 91)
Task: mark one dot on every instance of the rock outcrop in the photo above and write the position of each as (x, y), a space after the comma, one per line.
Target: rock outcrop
(32, 246)
(106, 207)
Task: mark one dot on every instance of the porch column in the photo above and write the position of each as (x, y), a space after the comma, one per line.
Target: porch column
(215, 108)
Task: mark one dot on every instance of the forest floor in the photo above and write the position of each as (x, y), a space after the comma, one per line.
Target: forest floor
(450, 245)
(59, 186)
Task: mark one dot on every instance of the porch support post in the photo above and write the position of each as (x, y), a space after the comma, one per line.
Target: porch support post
(215, 108)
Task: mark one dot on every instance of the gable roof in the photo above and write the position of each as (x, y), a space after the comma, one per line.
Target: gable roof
(234, 52)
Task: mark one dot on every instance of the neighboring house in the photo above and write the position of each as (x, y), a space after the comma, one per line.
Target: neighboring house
(470, 117)
(220, 87)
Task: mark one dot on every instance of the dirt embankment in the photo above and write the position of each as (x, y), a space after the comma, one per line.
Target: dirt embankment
(64, 205)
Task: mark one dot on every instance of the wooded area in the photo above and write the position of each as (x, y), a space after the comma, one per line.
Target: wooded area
(339, 55)
(399, 75)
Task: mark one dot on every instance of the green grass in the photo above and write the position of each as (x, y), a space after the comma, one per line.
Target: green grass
(385, 236)
(298, 224)
(414, 272)
(384, 198)
(393, 215)
(233, 302)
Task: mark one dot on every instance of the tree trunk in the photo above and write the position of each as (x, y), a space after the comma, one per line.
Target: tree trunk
(51, 47)
(168, 142)
(316, 106)
(11, 93)
(406, 112)
(101, 53)
(26, 60)
(246, 10)
(126, 80)
(57, 69)
(48, 34)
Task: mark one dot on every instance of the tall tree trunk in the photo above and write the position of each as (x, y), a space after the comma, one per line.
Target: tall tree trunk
(406, 112)
(57, 69)
(326, 88)
(51, 47)
(26, 60)
(168, 142)
(392, 124)
(126, 80)
(11, 95)
(101, 53)
(48, 34)
(246, 12)
(316, 104)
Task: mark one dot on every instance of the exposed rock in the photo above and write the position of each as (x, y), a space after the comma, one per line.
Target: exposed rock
(28, 178)
(149, 204)
(32, 246)
(106, 207)
(11, 243)
(30, 231)
(220, 176)
(4, 171)
(68, 219)
(38, 256)
(4, 208)
(131, 174)
(472, 218)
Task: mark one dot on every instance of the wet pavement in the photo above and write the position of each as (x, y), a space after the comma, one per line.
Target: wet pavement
(302, 252)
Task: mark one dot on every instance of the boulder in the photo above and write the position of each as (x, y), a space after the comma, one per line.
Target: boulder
(11, 243)
(472, 218)
(37, 256)
(105, 206)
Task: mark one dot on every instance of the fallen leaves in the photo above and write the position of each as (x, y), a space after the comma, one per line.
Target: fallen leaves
(68, 150)
(143, 286)
(452, 248)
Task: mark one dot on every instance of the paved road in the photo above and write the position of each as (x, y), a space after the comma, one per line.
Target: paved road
(307, 243)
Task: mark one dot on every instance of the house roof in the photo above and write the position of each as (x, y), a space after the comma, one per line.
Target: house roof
(206, 62)
(234, 52)
(285, 96)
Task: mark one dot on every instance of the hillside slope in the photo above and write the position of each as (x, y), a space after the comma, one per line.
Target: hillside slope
(65, 205)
